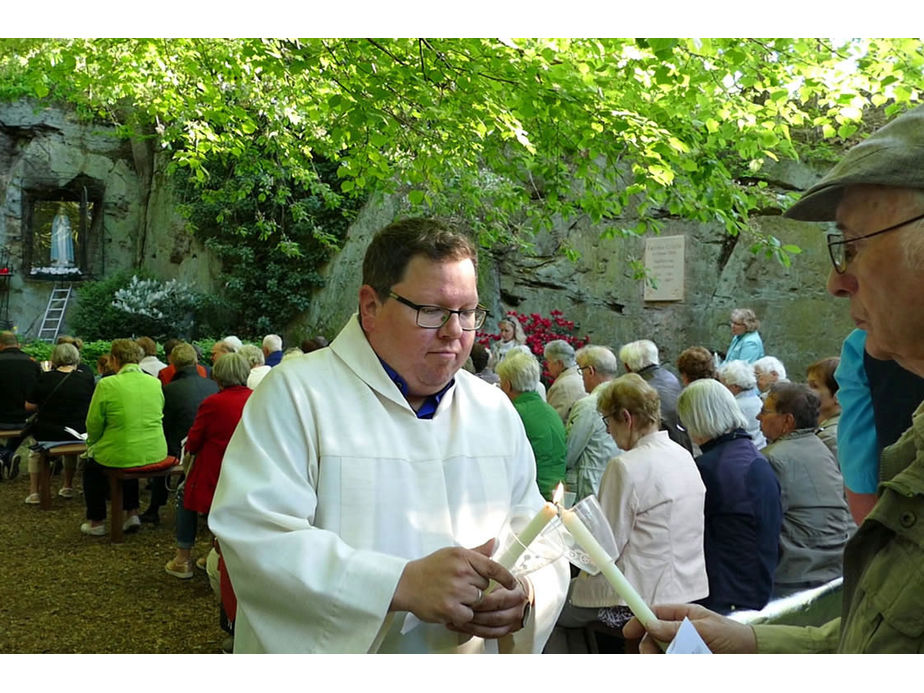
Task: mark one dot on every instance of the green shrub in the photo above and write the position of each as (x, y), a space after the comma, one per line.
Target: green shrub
(139, 305)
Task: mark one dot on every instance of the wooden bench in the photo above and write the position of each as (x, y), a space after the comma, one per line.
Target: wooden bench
(48, 450)
(166, 467)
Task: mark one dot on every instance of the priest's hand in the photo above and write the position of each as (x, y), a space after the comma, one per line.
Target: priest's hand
(445, 586)
(722, 635)
(499, 613)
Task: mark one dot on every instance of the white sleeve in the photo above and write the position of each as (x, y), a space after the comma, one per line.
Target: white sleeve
(299, 588)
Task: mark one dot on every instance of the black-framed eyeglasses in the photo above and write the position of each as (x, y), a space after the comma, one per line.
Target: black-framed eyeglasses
(585, 369)
(837, 244)
(434, 317)
(606, 418)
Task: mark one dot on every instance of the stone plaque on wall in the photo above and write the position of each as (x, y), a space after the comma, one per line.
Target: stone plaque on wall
(664, 265)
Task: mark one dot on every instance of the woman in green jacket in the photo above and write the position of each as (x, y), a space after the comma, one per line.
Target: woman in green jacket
(124, 429)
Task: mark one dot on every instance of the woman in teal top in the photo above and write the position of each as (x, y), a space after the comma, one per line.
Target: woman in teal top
(124, 429)
(746, 344)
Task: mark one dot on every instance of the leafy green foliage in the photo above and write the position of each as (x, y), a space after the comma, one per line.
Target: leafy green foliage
(126, 305)
(271, 236)
(509, 135)
(91, 351)
(94, 317)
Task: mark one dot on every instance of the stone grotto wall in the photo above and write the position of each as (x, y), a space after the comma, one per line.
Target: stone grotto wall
(45, 151)
(801, 322)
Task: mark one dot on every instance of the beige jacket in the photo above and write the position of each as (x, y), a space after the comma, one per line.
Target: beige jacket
(653, 497)
(567, 389)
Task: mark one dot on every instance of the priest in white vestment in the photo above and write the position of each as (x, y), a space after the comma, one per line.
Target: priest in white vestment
(361, 492)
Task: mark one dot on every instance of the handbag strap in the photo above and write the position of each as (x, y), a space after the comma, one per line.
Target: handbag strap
(55, 388)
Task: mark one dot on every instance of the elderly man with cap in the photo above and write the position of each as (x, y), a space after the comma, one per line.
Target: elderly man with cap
(876, 197)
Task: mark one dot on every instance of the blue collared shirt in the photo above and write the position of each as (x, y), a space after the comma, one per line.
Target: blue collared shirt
(428, 408)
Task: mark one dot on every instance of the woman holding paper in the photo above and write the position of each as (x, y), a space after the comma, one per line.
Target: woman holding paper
(652, 495)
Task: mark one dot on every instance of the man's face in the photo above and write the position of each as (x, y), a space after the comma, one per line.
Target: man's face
(587, 375)
(772, 423)
(554, 367)
(884, 292)
(427, 359)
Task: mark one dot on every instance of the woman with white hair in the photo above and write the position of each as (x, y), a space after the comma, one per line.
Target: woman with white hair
(257, 361)
(768, 370)
(746, 343)
(740, 379)
(519, 376)
(743, 515)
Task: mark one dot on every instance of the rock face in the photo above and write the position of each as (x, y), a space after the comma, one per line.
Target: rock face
(800, 321)
(47, 155)
(43, 150)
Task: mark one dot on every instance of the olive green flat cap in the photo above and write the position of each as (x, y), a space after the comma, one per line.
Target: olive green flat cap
(893, 155)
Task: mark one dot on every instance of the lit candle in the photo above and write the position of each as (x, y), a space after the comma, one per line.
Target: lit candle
(608, 567)
(510, 555)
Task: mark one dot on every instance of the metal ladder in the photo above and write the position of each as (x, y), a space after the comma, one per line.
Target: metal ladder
(54, 313)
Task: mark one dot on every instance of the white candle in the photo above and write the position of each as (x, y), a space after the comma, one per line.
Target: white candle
(510, 555)
(608, 567)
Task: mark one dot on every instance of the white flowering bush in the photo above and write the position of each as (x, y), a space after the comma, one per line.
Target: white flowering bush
(156, 309)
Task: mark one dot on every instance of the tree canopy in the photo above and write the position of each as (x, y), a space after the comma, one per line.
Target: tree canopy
(508, 134)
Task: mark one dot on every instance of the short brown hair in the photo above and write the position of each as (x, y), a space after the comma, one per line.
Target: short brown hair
(824, 370)
(67, 339)
(796, 399)
(126, 351)
(696, 363)
(632, 393)
(313, 344)
(393, 247)
(146, 343)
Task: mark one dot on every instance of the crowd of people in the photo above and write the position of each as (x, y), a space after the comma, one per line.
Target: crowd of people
(759, 513)
(136, 411)
(357, 492)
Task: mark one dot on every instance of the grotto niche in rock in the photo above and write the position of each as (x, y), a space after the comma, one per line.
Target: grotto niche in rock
(57, 226)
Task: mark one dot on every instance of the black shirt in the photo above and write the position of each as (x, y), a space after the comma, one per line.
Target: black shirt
(18, 374)
(65, 406)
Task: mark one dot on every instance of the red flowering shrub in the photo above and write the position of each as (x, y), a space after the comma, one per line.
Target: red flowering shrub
(539, 332)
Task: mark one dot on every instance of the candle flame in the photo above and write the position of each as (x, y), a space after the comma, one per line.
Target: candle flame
(559, 494)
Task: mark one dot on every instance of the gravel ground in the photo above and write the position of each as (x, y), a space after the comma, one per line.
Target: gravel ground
(64, 592)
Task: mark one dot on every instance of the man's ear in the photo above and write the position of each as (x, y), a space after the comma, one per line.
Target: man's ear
(369, 307)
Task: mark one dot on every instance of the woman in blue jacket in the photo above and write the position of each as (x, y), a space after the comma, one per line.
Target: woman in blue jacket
(746, 343)
(743, 513)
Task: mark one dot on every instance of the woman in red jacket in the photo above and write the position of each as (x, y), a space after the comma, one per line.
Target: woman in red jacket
(216, 419)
